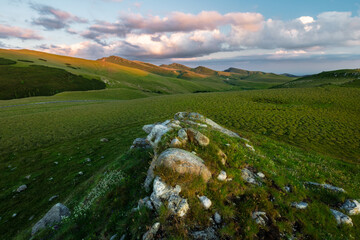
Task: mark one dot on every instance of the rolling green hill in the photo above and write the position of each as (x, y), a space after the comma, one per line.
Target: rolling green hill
(345, 77)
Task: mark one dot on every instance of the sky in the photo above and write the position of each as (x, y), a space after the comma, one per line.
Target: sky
(280, 36)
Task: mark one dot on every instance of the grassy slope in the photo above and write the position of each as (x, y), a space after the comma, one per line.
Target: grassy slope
(114, 75)
(320, 119)
(36, 80)
(346, 77)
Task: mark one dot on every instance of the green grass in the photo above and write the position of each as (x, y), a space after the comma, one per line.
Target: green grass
(36, 80)
(33, 137)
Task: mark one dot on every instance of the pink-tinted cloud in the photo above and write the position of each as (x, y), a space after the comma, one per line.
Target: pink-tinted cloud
(17, 32)
(52, 19)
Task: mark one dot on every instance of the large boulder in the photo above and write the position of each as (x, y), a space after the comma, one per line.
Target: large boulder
(53, 216)
(183, 162)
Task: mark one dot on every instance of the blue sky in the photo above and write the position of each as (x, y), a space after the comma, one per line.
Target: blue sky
(299, 37)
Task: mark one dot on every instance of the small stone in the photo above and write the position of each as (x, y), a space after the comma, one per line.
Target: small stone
(207, 234)
(217, 218)
(175, 143)
(260, 218)
(352, 207)
(205, 202)
(87, 159)
(287, 189)
(51, 178)
(227, 144)
(28, 176)
(222, 176)
(299, 205)
(182, 134)
(53, 197)
(104, 140)
(14, 215)
(21, 188)
(80, 173)
(31, 218)
(260, 175)
(113, 237)
(149, 235)
(341, 218)
(249, 176)
(56, 163)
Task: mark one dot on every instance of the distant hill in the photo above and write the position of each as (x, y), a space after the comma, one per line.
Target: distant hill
(344, 77)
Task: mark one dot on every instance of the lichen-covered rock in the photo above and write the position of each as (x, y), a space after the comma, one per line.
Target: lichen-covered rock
(217, 218)
(326, 186)
(163, 192)
(54, 215)
(140, 143)
(249, 176)
(206, 202)
(260, 218)
(341, 218)
(352, 207)
(299, 205)
(183, 162)
(222, 176)
(149, 235)
(197, 137)
(207, 234)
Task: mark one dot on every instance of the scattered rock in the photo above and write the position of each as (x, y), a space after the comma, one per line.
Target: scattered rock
(217, 218)
(145, 202)
(21, 188)
(140, 143)
(80, 173)
(287, 189)
(50, 178)
(249, 176)
(352, 207)
(14, 215)
(260, 218)
(148, 128)
(326, 186)
(31, 218)
(207, 234)
(260, 175)
(222, 156)
(299, 205)
(104, 140)
(205, 201)
(197, 137)
(341, 218)
(175, 143)
(54, 215)
(53, 197)
(182, 161)
(56, 163)
(28, 176)
(87, 159)
(222, 176)
(149, 235)
(250, 147)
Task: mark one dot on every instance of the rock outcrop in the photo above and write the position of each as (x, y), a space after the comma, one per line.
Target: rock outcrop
(53, 216)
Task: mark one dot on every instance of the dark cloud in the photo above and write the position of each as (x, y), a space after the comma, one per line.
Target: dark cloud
(53, 19)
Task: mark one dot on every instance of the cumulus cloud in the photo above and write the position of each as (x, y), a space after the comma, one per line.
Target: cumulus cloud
(7, 31)
(53, 19)
(182, 35)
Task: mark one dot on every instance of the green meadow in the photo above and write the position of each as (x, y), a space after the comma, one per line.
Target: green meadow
(312, 132)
